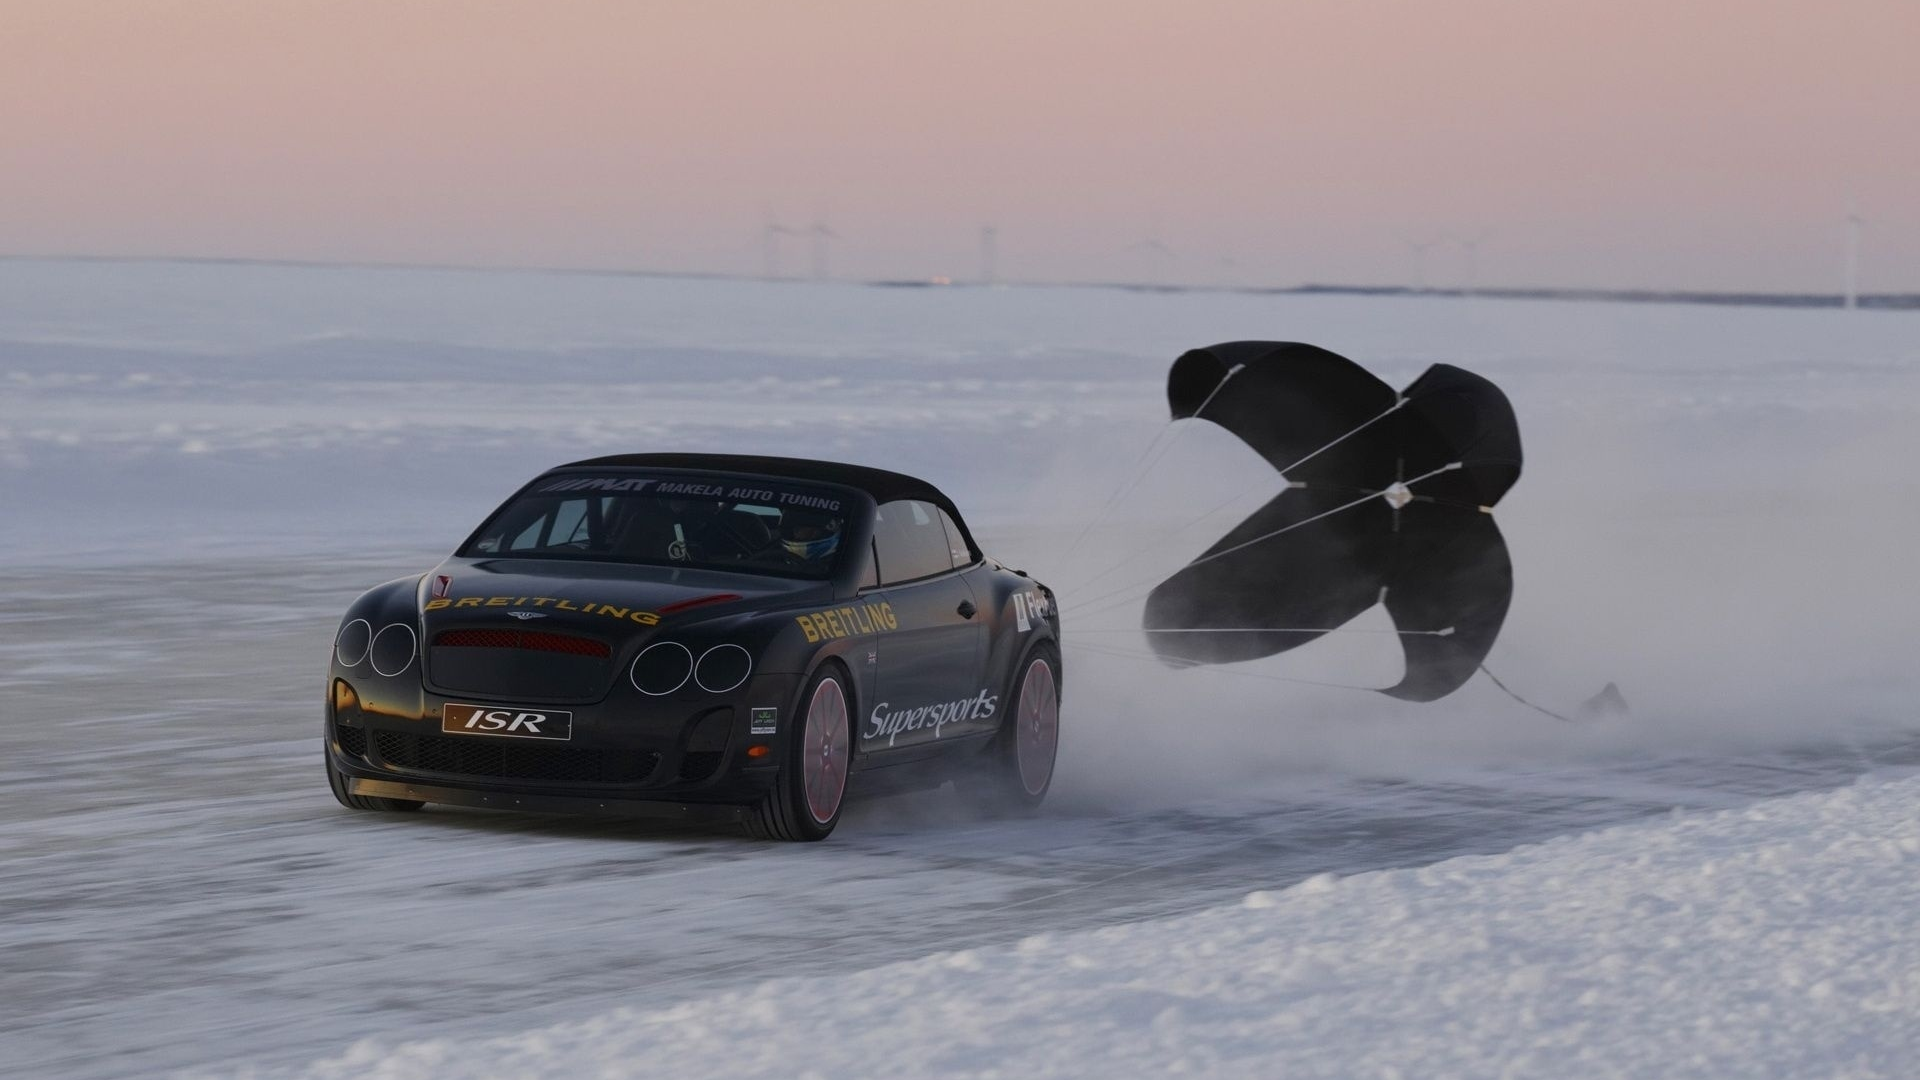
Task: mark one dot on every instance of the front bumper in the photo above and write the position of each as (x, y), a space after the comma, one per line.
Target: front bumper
(619, 758)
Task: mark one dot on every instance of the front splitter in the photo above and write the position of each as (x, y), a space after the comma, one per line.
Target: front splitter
(545, 804)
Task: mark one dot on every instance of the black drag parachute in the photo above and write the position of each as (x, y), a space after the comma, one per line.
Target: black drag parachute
(1389, 501)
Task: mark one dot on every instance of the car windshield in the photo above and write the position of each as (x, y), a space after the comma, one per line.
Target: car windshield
(755, 526)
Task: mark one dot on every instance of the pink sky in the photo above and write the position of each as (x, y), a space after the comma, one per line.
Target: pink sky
(1674, 143)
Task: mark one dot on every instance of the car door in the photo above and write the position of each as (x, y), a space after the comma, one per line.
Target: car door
(927, 683)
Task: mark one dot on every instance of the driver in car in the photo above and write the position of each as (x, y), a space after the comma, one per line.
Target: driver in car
(810, 540)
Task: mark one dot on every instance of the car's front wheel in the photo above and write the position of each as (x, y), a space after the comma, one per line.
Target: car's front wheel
(808, 794)
(338, 782)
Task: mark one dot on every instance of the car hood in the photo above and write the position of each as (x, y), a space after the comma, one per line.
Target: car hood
(605, 600)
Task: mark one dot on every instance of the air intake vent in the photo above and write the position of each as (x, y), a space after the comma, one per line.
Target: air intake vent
(353, 741)
(504, 759)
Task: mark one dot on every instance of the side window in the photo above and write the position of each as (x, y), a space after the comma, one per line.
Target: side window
(910, 541)
(956, 540)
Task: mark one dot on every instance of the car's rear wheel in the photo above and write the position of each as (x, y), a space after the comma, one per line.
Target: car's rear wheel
(810, 791)
(1018, 768)
(338, 782)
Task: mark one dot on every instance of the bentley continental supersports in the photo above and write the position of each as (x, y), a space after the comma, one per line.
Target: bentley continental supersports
(752, 638)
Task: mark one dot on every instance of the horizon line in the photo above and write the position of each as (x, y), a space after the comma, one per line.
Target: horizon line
(1889, 301)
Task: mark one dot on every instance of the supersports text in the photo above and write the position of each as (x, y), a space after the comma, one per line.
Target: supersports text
(890, 723)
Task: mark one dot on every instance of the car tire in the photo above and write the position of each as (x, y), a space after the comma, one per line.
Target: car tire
(811, 788)
(338, 782)
(1016, 770)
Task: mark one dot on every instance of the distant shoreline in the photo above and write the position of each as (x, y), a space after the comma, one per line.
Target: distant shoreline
(1877, 301)
(1866, 301)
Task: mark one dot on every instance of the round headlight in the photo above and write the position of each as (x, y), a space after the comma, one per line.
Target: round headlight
(393, 648)
(351, 646)
(722, 668)
(661, 668)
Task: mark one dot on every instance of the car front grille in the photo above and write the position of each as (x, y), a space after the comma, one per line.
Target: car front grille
(530, 640)
(504, 759)
(519, 665)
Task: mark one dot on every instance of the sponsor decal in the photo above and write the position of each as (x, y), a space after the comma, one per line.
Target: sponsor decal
(1030, 605)
(441, 583)
(814, 502)
(763, 720)
(597, 483)
(520, 604)
(831, 624)
(456, 719)
(692, 489)
(890, 722)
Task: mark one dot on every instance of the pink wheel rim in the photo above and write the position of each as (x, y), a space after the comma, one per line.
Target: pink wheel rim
(823, 751)
(1037, 727)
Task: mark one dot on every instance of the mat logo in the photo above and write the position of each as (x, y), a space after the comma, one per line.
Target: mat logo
(509, 723)
(889, 722)
(597, 484)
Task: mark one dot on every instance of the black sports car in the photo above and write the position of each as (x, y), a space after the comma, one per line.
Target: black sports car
(695, 634)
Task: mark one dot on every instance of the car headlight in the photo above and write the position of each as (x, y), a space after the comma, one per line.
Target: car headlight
(394, 648)
(661, 668)
(722, 668)
(351, 646)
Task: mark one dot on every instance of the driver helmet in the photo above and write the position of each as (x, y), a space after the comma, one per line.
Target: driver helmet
(811, 540)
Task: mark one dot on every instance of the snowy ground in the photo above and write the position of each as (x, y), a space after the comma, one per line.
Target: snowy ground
(1770, 942)
(199, 466)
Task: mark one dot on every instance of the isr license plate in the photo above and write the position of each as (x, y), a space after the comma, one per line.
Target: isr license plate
(511, 723)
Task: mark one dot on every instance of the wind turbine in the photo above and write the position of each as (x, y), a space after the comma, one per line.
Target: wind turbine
(1472, 245)
(1158, 255)
(820, 233)
(989, 255)
(1230, 272)
(770, 235)
(1854, 224)
(1419, 249)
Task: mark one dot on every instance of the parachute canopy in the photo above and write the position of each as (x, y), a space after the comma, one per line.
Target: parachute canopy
(1389, 501)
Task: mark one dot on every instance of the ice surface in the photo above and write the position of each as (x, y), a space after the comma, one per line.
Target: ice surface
(1769, 942)
(201, 465)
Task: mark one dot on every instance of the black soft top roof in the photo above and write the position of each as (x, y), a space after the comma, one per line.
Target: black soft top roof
(883, 485)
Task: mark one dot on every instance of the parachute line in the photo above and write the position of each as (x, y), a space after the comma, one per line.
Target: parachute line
(1445, 632)
(1488, 672)
(1308, 521)
(1144, 466)
(1091, 609)
(1168, 539)
(1365, 424)
(1138, 555)
(1126, 654)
